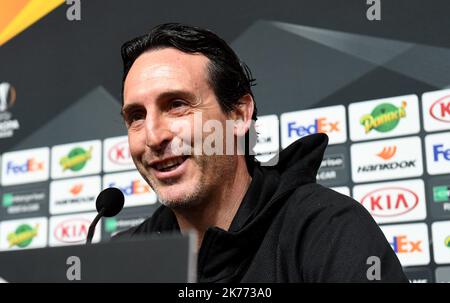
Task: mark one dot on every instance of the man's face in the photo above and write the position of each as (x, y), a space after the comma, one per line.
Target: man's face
(163, 89)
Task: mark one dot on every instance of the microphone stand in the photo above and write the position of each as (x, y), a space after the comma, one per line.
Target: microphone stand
(91, 230)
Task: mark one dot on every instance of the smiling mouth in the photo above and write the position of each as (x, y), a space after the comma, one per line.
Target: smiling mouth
(169, 164)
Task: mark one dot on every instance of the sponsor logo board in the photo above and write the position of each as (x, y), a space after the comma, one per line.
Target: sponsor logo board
(384, 118)
(329, 120)
(23, 233)
(441, 242)
(386, 159)
(24, 201)
(436, 110)
(268, 138)
(391, 202)
(410, 243)
(72, 229)
(25, 166)
(74, 195)
(342, 190)
(437, 148)
(333, 170)
(443, 274)
(136, 191)
(116, 154)
(76, 159)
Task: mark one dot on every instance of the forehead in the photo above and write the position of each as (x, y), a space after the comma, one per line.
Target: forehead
(157, 71)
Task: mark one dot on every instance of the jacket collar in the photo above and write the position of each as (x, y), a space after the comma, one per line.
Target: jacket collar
(224, 253)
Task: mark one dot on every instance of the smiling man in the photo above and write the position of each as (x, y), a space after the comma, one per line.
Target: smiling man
(254, 223)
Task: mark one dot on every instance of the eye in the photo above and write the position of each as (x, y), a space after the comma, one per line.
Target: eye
(134, 116)
(175, 104)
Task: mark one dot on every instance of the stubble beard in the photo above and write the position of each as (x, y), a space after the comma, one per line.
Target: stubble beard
(195, 196)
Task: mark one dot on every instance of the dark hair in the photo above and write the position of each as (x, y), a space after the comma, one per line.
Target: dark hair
(229, 77)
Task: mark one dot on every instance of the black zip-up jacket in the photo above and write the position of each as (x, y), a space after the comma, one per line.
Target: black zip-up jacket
(289, 229)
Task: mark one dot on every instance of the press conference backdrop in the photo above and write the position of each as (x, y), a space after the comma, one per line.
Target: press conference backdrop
(377, 88)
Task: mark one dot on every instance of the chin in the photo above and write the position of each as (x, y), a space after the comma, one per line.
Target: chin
(176, 202)
(172, 197)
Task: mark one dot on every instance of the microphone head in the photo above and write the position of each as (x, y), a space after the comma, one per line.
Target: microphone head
(111, 200)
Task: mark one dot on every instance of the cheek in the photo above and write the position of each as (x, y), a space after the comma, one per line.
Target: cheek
(136, 142)
(183, 129)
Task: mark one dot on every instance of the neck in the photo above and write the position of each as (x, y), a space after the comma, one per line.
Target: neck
(221, 206)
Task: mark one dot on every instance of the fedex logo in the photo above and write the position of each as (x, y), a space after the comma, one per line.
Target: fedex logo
(136, 191)
(320, 125)
(329, 120)
(440, 152)
(401, 244)
(410, 242)
(30, 165)
(136, 187)
(25, 166)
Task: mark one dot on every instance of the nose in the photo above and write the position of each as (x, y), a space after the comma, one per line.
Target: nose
(158, 134)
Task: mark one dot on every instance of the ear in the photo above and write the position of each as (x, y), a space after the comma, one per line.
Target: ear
(242, 115)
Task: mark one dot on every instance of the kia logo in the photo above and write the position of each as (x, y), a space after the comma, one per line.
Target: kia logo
(440, 110)
(7, 96)
(120, 153)
(72, 230)
(390, 201)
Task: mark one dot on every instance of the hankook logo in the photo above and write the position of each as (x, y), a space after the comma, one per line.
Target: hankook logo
(387, 159)
(387, 152)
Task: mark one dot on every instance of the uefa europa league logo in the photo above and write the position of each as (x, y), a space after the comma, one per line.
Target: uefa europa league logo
(7, 96)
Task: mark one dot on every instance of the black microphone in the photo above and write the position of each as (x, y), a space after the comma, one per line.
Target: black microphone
(109, 203)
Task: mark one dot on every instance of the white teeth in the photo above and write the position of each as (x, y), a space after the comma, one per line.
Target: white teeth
(169, 163)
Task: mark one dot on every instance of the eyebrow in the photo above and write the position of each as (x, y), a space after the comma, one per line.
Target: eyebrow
(167, 95)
